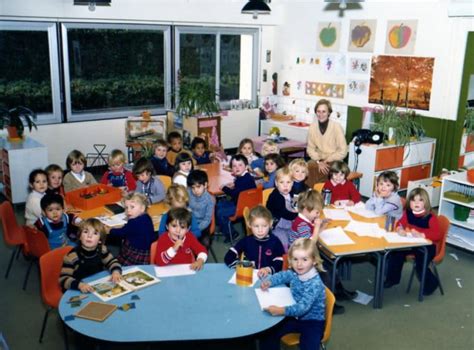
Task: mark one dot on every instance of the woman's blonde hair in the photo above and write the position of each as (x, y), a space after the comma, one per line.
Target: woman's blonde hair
(298, 162)
(310, 200)
(137, 197)
(309, 246)
(424, 197)
(285, 171)
(96, 225)
(177, 193)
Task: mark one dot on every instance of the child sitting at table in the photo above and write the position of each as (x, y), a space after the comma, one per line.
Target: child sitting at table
(175, 142)
(138, 233)
(247, 149)
(385, 200)
(149, 185)
(159, 160)
(273, 162)
(299, 173)
(177, 197)
(38, 181)
(258, 165)
(183, 166)
(417, 221)
(57, 226)
(88, 258)
(77, 177)
(117, 175)
(343, 191)
(178, 245)
(201, 203)
(201, 154)
(262, 248)
(226, 208)
(280, 204)
(307, 315)
(55, 179)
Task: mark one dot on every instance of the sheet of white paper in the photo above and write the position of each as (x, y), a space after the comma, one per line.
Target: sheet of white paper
(362, 298)
(116, 220)
(174, 270)
(278, 296)
(336, 214)
(341, 204)
(365, 229)
(233, 279)
(393, 237)
(335, 236)
(360, 209)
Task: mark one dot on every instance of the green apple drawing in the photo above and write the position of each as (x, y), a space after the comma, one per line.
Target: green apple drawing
(328, 36)
(360, 35)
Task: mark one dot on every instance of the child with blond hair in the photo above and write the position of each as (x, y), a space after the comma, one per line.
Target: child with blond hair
(77, 177)
(117, 175)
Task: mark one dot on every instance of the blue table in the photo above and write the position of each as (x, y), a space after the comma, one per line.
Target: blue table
(195, 307)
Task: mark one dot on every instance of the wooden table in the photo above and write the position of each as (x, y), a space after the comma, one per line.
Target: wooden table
(218, 177)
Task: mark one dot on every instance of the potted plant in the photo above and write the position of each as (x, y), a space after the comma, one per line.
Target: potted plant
(196, 98)
(14, 121)
(469, 121)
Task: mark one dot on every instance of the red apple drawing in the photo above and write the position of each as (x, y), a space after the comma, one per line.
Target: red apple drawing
(360, 35)
(399, 36)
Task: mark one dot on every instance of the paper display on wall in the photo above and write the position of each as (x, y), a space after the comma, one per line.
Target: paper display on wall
(359, 65)
(324, 89)
(357, 87)
(401, 36)
(362, 35)
(328, 36)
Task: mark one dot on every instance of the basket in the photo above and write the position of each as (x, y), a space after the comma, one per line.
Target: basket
(94, 196)
(461, 213)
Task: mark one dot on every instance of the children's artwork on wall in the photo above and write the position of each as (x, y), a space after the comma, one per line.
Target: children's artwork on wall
(359, 65)
(403, 81)
(210, 130)
(275, 83)
(357, 87)
(269, 56)
(307, 59)
(334, 63)
(328, 36)
(362, 35)
(324, 89)
(286, 89)
(298, 85)
(264, 76)
(401, 37)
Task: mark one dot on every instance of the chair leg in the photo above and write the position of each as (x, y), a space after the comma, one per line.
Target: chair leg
(435, 270)
(28, 273)
(323, 346)
(213, 253)
(66, 343)
(43, 327)
(18, 252)
(230, 233)
(11, 261)
(412, 275)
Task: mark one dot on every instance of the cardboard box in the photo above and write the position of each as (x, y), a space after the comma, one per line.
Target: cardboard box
(434, 192)
(94, 196)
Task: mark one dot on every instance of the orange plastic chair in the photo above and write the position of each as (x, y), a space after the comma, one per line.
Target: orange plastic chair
(51, 292)
(286, 263)
(13, 234)
(293, 339)
(153, 252)
(318, 186)
(440, 252)
(265, 194)
(249, 198)
(248, 231)
(166, 180)
(38, 245)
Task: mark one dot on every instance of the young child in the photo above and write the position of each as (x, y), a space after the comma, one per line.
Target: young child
(89, 257)
(159, 160)
(77, 177)
(38, 181)
(262, 248)
(177, 197)
(183, 166)
(117, 175)
(418, 221)
(178, 245)
(55, 179)
(268, 147)
(280, 204)
(272, 162)
(308, 223)
(175, 141)
(149, 185)
(343, 192)
(56, 225)
(299, 173)
(247, 148)
(243, 181)
(307, 315)
(385, 200)
(201, 203)
(138, 233)
(200, 153)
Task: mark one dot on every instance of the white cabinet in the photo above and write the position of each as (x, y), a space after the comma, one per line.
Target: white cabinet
(461, 233)
(18, 159)
(291, 132)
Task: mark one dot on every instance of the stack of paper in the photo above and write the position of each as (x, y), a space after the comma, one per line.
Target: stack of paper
(359, 209)
(279, 296)
(174, 270)
(393, 237)
(365, 229)
(335, 236)
(116, 220)
(336, 214)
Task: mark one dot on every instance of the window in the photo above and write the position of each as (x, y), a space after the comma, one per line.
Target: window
(115, 70)
(28, 68)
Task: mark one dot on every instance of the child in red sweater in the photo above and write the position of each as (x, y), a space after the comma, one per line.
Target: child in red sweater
(417, 221)
(178, 245)
(117, 175)
(343, 191)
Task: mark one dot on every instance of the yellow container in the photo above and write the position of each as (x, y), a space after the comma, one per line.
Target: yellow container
(244, 274)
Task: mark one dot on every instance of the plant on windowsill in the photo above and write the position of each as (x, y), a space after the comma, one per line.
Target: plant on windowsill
(14, 121)
(196, 98)
(399, 127)
(469, 121)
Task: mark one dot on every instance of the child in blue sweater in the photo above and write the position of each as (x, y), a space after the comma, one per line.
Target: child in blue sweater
(159, 159)
(263, 249)
(149, 185)
(307, 315)
(272, 162)
(385, 200)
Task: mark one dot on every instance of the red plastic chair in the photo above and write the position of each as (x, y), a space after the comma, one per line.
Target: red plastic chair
(153, 252)
(38, 245)
(13, 234)
(51, 292)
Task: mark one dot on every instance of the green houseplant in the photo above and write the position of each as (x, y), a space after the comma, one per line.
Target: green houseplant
(469, 121)
(196, 98)
(14, 121)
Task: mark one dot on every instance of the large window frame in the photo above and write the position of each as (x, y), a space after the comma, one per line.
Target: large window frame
(112, 114)
(218, 31)
(50, 28)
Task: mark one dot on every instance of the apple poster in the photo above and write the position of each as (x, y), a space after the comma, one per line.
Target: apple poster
(328, 36)
(362, 35)
(401, 37)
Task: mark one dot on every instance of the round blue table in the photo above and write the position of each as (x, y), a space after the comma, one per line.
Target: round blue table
(194, 307)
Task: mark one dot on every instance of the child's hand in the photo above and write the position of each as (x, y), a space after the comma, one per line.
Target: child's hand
(264, 285)
(401, 231)
(116, 276)
(85, 288)
(258, 172)
(179, 243)
(350, 203)
(197, 265)
(230, 185)
(323, 167)
(417, 234)
(275, 310)
(264, 272)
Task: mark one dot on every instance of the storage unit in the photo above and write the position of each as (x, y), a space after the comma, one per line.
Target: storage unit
(461, 233)
(18, 160)
(411, 162)
(291, 132)
(466, 156)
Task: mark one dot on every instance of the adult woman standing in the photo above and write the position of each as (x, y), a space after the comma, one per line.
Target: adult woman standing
(326, 143)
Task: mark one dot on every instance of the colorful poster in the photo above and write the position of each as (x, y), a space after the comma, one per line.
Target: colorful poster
(328, 36)
(359, 65)
(324, 89)
(403, 81)
(357, 87)
(210, 130)
(401, 37)
(362, 35)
